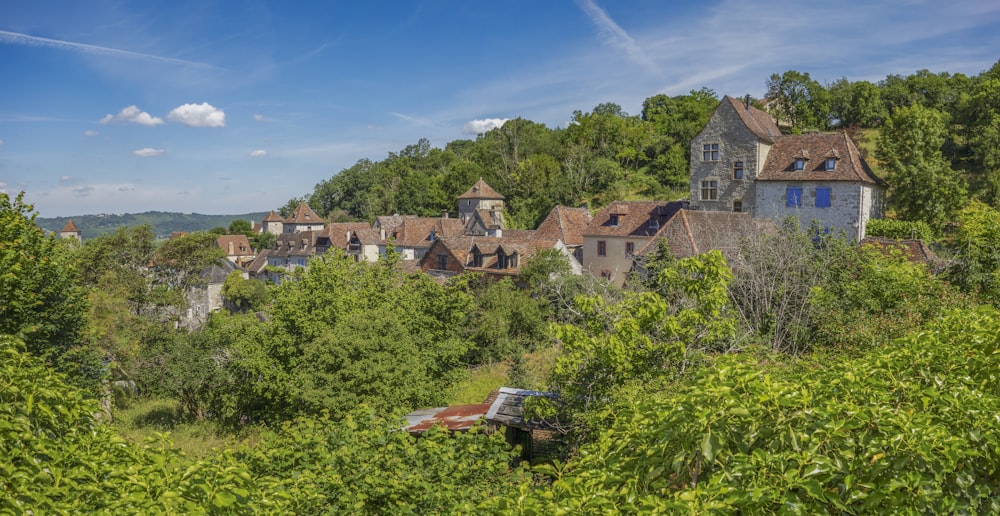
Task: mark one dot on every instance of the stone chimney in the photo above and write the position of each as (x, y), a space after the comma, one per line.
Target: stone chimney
(444, 213)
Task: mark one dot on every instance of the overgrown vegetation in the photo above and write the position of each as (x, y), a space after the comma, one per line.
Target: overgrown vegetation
(804, 374)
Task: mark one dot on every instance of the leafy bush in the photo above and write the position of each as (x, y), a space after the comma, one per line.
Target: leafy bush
(905, 428)
(899, 229)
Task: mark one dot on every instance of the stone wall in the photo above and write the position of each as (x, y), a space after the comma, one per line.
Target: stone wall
(852, 204)
(736, 143)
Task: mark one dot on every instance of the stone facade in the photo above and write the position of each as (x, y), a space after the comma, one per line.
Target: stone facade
(852, 204)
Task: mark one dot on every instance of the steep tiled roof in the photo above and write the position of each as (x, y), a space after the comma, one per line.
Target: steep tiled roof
(304, 215)
(338, 231)
(69, 227)
(302, 243)
(240, 245)
(389, 223)
(368, 236)
(273, 217)
(635, 218)
(566, 224)
(257, 265)
(692, 232)
(757, 121)
(816, 148)
(520, 234)
(416, 231)
(481, 190)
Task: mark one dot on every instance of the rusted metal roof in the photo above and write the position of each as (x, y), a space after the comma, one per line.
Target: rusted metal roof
(457, 419)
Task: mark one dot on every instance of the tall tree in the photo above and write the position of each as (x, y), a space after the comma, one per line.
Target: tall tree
(922, 184)
(799, 101)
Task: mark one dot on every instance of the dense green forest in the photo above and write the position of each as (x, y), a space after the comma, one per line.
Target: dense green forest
(162, 223)
(804, 375)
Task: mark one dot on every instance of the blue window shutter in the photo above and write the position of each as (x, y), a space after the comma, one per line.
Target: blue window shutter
(822, 197)
(793, 197)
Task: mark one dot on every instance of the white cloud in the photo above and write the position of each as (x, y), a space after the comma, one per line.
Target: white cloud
(198, 115)
(259, 153)
(35, 41)
(148, 152)
(483, 126)
(132, 114)
(90, 132)
(257, 117)
(614, 34)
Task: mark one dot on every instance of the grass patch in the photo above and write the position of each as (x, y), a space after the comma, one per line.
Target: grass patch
(481, 381)
(532, 373)
(141, 418)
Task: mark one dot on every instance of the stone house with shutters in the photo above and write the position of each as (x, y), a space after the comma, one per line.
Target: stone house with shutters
(741, 162)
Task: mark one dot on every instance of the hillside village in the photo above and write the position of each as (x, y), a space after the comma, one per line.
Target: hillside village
(746, 176)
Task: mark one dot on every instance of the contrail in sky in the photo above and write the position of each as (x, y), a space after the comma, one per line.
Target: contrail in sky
(35, 41)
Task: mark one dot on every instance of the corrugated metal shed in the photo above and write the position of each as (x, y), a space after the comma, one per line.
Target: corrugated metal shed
(508, 409)
(504, 406)
(457, 419)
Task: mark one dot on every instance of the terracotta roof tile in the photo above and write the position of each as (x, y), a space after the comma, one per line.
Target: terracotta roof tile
(70, 227)
(304, 215)
(757, 121)
(416, 231)
(814, 148)
(566, 224)
(337, 232)
(273, 217)
(635, 218)
(481, 190)
(692, 232)
(240, 245)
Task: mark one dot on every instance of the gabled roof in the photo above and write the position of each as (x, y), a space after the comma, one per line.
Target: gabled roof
(481, 190)
(815, 148)
(273, 217)
(367, 236)
(635, 218)
(692, 232)
(338, 232)
(259, 262)
(566, 224)
(304, 215)
(758, 122)
(70, 227)
(241, 244)
(416, 231)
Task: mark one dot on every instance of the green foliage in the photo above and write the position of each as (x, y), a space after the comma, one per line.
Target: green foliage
(645, 336)
(240, 227)
(977, 244)
(899, 229)
(906, 428)
(41, 301)
(180, 261)
(922, 184)
(504, 322)
(244, 295)
(799, 101)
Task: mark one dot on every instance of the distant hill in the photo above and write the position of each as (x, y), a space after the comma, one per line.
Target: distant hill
(163, 223)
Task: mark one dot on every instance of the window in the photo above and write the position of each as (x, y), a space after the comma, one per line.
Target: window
(602, 248)
(822, 197)
(477, 258)
(800, 164)
(710, 152)
(831, 164)
(793, 197)
(738, 206)
(614, 219)
(629, 248)
(654, 222)
(606, 275)
(442, 264)
(301, 262)
(738, 170)
(709, 190)
(502, 261)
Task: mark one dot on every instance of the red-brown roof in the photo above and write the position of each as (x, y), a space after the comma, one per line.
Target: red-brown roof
(815, 148)
(481, 190)
(635, 218)
(338, 232)
(273, 217)
(69, 227)
(757, 121)
(692, 232)
(416, 231)
(240, 245)
(304, 215)
(566, 224)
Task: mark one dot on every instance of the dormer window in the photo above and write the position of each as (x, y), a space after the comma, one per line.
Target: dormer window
(830, 164)
(800, 164)
(614, 219)
(477, 258)
(654, 222)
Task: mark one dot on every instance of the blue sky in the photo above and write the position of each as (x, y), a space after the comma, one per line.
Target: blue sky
(231, 107)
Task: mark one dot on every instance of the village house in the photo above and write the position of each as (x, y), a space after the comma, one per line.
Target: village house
(617, 231)
(567, 225)
(70, 231)
(237, 249)
(741, 162)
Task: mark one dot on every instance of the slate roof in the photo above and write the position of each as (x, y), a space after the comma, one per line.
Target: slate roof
(692, 232)
(757, 121)
(303, 215)
(70, 227)
(635, 218)
(566, 224)
(481, 190)
(816, 148)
